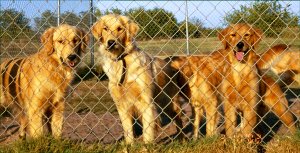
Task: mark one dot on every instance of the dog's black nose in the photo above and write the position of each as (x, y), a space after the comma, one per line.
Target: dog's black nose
(72, 57)
(240, 45)
(111, 43)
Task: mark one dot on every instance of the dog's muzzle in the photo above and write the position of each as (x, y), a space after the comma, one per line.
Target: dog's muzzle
(111, 44)
(71, 60)
(240, 52)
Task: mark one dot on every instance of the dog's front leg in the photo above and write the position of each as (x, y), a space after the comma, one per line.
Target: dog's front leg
(35, 117)
(148, 120)
(126, 116)
(57, 119)
(230, 118)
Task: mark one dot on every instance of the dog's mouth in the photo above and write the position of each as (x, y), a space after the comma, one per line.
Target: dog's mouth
(72, 64)
(69, 63)
(240, 54)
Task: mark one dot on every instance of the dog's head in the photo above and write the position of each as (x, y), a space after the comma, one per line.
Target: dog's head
(115, 33)
(241, 39)
(66, 43)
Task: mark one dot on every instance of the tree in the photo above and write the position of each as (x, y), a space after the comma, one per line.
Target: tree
(271, 17)
(70, 18)
(46, 20)
(155, 23)
(14, 25)
(195, 28)
(113, 11)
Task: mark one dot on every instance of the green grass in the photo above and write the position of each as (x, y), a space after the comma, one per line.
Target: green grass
(211, 144)
(203, 45)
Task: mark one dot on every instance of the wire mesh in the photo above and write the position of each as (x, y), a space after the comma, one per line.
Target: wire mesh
(167, 28)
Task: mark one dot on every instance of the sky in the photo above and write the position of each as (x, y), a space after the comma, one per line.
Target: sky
(210, 12)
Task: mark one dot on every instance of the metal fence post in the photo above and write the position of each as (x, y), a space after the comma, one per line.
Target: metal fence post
(91, 36)
(187, 28)
(58, 12)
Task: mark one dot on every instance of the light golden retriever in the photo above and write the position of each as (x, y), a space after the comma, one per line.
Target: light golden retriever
(35, 86)
(232, 74)
(138, 83)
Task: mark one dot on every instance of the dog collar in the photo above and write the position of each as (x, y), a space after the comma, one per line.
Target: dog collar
(122, 57)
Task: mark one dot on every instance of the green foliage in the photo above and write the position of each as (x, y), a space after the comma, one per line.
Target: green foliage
(271, 17)
(154, 23)
(46, 20)
(14, 25)
(49, 19)
(195, 28)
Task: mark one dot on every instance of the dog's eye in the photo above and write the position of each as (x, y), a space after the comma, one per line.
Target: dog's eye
(105, 28)
(75, 41)
(233, 35)
(247, 35)
(60, 41)
(119, 29)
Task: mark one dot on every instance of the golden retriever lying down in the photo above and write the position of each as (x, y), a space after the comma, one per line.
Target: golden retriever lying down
(138, 83)
(232, 74)
(35, 86)
(283, 61)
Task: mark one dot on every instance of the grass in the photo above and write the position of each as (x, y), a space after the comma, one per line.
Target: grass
(210, 144)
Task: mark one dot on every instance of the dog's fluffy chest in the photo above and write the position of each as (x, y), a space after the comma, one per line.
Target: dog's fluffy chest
(241, 77)
(134, 68)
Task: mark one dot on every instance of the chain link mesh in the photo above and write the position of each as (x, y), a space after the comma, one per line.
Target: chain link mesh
(90, 114)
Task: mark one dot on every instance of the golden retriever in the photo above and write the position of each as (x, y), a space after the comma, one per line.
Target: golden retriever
(203, 76)
(138, 83)
(232, 74)
(284, 62)
(35, 86)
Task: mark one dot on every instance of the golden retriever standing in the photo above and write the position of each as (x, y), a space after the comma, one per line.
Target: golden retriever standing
(36, 85)
(232, 74)
(138, 83)
(203, 75)
(240, 86)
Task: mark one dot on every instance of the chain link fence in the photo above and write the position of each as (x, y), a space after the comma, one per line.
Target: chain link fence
(167, 28)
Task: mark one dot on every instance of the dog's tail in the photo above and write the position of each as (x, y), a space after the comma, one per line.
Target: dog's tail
(283, 62)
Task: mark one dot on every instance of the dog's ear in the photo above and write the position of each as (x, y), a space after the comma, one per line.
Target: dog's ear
(257, 35)
(131, 30)
(222, 37)
(97, 29)
(84, 40)
(47, 40)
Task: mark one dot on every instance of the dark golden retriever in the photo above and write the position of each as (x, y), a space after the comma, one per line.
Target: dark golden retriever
(232, 74)
(35, 86)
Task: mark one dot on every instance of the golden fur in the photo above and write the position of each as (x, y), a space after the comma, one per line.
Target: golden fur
(35, 86)
(282, 61)
(204, 77)
(138, 83)
(240, 86)
(232, 74)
